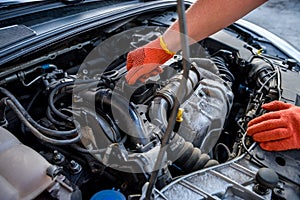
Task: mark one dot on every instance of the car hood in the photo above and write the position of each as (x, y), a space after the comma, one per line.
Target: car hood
(36, 25)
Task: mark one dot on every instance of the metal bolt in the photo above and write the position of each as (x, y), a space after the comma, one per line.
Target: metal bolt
(58, 158)
(75, 167)
(85, 71)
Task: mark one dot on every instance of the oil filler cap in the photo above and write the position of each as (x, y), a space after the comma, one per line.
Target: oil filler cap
(266, 179)
(108, 195)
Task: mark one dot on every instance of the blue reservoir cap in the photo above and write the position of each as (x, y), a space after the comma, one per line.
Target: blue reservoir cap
(108, 195)
(45, 66)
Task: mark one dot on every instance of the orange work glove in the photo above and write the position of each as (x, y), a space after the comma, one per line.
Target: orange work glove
(278, 130)
(145, 61)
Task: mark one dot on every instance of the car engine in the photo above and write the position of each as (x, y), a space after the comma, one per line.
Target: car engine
(72, 128)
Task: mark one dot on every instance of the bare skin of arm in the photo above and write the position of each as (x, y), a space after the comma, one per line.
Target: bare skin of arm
(206, 17)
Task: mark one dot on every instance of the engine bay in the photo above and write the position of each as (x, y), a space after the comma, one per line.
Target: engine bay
(69, 112)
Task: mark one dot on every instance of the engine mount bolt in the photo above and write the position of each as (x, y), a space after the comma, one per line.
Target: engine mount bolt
(58, 158)
(75, 167)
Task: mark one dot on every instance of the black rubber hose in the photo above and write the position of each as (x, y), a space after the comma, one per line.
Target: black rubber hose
(74, 133)
(38, 134)
(52, 119)
(49, 112)
(3, 120)
(51, 101)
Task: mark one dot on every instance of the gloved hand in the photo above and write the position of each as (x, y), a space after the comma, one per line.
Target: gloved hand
(279, 129)
(145, 61)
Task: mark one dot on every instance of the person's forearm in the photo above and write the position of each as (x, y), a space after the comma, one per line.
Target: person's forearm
(206, 17)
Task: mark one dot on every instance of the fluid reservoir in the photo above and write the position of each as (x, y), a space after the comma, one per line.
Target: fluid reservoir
(22, 170)
(108, 195)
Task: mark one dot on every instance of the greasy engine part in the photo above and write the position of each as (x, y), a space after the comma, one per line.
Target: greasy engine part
(107, 141)
(186, 156)
(180, 149)
(210, 103)
(238, 179)
(207, 99)
(205, 90)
